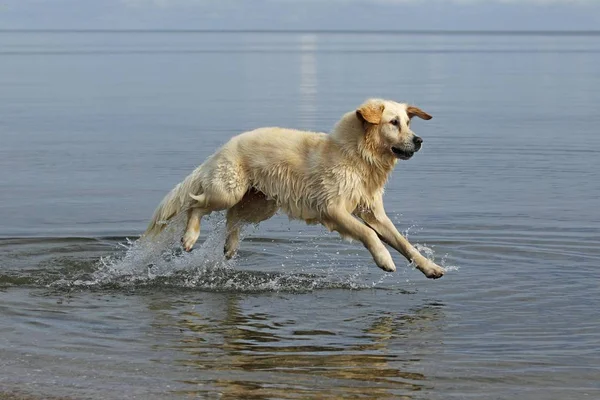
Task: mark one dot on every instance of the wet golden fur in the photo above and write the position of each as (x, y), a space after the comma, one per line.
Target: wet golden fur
(335, 179)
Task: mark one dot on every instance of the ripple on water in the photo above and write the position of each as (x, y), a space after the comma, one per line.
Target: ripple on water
(160, 263)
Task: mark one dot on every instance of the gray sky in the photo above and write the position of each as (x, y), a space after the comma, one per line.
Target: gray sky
(302, 14)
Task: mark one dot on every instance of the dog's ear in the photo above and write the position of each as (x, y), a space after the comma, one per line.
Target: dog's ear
(413, 111)
(370, 113)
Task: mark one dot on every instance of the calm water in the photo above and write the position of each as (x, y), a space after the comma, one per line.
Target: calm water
(95, 128)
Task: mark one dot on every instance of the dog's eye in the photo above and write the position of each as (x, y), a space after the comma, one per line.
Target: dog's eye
(395, 122)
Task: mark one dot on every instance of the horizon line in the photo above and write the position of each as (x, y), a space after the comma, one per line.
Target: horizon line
(319, 31)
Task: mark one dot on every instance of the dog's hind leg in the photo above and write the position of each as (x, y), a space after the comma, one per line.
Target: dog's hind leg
(203, 207)
(233, 234)
(226, 188)
(253, 208)
(192, 229)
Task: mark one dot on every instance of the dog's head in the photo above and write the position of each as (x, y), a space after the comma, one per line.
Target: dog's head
(387, 127)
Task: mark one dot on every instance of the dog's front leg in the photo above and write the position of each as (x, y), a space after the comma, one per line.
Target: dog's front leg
(343, 222)
(377, 219)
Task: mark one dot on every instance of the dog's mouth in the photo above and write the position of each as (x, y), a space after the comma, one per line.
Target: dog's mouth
(402, 154)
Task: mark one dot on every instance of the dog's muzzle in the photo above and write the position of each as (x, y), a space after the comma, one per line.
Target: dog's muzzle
(402, 154)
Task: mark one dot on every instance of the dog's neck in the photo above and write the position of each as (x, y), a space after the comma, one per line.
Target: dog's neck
(353, 137)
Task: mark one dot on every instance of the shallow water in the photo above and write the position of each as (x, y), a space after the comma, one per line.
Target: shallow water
(95, 128)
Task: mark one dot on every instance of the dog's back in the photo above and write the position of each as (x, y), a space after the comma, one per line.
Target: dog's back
(275, 161)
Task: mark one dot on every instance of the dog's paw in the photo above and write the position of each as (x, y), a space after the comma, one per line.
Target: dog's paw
(384, 261)
(388, 267)
(432, 270)
(229, 252)
(189, 239)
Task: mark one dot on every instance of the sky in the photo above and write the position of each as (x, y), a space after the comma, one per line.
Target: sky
(302, 14)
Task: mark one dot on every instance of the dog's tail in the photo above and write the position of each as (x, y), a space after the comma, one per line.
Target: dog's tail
(184, 195)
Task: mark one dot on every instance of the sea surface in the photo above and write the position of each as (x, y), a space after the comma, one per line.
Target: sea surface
(96, 127)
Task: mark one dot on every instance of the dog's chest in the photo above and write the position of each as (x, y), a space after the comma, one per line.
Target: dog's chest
(358, 192)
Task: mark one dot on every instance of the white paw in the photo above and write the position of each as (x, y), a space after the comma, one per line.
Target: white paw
(432, 270)
(189, 239)
(384, 260)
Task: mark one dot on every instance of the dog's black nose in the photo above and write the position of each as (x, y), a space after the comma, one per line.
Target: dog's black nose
(417, 140)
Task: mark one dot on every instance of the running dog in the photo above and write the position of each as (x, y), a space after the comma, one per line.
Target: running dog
(334, 179)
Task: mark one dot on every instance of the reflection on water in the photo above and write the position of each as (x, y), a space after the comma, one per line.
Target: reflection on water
(250, 348)
(209, 330)
(308, 81)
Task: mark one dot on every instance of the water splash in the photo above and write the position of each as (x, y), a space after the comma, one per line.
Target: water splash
(160, 262)
(429, 253)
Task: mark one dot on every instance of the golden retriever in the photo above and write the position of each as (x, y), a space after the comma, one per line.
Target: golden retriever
(334, 179)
